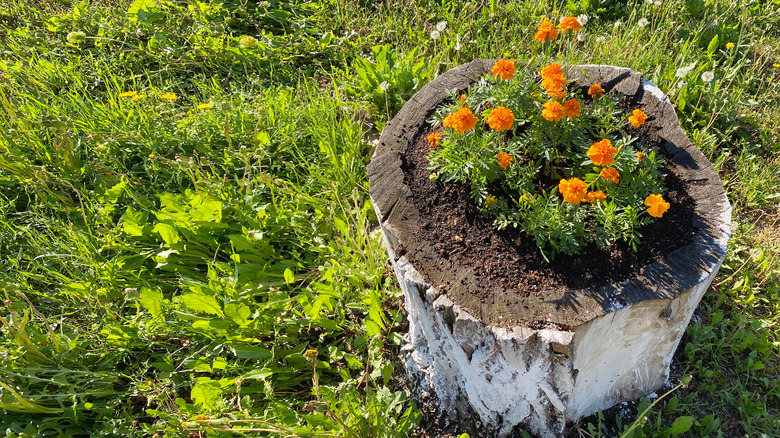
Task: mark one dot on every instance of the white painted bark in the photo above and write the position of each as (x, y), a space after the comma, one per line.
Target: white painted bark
(536, 379)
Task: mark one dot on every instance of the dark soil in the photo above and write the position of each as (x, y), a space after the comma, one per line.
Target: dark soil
(456, 230)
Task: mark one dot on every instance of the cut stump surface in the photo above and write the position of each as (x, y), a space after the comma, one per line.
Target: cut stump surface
(539, 361)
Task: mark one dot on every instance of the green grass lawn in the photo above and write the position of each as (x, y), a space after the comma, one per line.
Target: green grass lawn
(187, 247)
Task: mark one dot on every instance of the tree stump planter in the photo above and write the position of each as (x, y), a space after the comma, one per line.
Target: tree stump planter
(540, 361)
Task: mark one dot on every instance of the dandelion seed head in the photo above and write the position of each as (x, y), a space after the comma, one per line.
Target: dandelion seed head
(642, 22)
(617, 24)
(583, 19)
(682, 71)
(581, 37)
(384, 86)
(435, 35)
(707, 76)
(440, 26)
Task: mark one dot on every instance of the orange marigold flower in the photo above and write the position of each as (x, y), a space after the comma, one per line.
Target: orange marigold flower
(500, 119)
(573, 190)
(434, 139)
(555, 89)
(637, 118)
(546, 32)
(611, 174)
(462, 120)
(504, 68)
(571, 108)
(595, 91)
(656, 206)
(553, 69)
(602, 153)
(594, 197)
(640, 156)
(570, 23)
(553, 111)
(504, 160)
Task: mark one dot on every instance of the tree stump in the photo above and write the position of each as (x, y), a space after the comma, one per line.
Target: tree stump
(482, 363)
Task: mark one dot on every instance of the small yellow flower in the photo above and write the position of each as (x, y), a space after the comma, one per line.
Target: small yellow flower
(491, 201)
(128, 94)
(729, 45)
(29, 181)
(169, 96)
(776, 65)
(152, 156)
(204, 106)
(138, 97)
(310, 355)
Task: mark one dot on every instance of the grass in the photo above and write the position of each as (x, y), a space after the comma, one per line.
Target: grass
(174, 271)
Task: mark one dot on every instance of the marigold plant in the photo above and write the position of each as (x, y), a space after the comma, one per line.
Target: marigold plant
(569, 23)
(573, 190)
(554, 161)
(602, 153)
(553, 111)
(504, 69)
(637, 118)
(434, 139)
(610, 174)
(462, 120)
(546, 32)
(504, 160)
(656, 205)
(595, 91)
(501, 119)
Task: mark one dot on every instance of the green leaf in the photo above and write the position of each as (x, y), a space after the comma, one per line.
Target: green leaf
(219, 363)
(152, 301)
(243, 351)
(205, 209)
(201, 303)
(289, 277)
(259, 374)
(112, 195)
(680, 425)
(238, 312)
(167, 232)
(132, 222)
(139, 6)
(262, 138)
(713, 46)
(207, 393)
